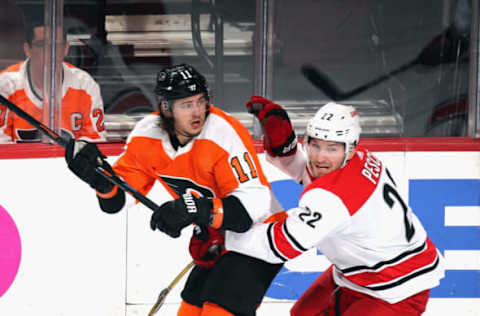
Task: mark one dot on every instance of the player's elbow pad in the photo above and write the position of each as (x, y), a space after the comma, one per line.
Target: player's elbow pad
(113, 204)
(235, 217)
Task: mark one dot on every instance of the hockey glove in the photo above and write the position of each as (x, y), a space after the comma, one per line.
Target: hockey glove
(172, 216)
(82, 158)
(280, 139)
(205, 252)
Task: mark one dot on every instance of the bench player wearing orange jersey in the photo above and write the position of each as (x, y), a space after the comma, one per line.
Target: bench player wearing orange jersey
(82, 115)
(206, 159)
(351, 210)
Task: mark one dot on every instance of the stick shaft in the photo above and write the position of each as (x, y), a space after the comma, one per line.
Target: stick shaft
(377, 81)
(181, 274)
(40, 126)
(163, 294)
(324, 83)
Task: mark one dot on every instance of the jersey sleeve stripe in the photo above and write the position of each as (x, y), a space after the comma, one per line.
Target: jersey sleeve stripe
(282, 243)
(292, 239)
(272, 244)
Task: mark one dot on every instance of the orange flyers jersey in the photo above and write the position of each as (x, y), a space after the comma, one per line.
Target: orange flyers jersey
(82, 115)
(220, 161)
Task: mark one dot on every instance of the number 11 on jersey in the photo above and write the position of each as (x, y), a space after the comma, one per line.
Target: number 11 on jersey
(236, 164)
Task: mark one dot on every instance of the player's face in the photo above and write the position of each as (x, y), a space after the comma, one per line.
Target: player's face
(35, 51)
(189, 116)
(325, 156)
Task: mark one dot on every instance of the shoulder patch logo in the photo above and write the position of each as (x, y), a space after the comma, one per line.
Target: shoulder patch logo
(185, 185)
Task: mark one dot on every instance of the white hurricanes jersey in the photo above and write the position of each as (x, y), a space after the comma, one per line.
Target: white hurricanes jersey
(358, 220)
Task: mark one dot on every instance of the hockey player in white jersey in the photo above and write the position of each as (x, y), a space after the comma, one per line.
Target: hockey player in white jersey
(351, 210)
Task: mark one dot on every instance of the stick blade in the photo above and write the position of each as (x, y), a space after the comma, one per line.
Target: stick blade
(322, 82)
(159, 302)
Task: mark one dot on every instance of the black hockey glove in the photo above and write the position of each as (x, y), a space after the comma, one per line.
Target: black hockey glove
(280, 138)
(82, 158)
(172, 216)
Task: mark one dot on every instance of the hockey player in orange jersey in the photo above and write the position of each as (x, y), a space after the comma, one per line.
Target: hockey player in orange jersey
(206, 159)
(351, 209)
(82, 115)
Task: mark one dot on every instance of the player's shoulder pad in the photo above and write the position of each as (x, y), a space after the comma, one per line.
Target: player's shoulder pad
(78, 78)
(13, 78)
(13, 68)
(148, 127)
(323, 201)
(224, 130)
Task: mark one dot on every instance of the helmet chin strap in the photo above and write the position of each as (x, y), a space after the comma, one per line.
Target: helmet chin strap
(185, 134)
(310, 169)
(346, 160)
(307, 150)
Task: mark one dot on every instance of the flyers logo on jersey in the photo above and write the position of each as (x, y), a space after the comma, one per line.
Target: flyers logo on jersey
(25, 135)
(184, 185)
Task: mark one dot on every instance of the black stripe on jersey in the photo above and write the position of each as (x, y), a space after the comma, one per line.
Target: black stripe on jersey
(406, 278)
(272, 243)
(292, 239)
(390, 177)
(383, 263)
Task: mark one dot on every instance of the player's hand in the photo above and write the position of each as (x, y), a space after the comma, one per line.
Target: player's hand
(206, 246)
(280, 139)
(172, 216)
(83, 158)
(166, 220)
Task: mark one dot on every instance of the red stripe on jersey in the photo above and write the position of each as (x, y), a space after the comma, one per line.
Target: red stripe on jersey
(354, 183)
(281, 242)
(400, 270)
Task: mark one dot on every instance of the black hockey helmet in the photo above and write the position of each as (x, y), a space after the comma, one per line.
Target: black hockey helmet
(180, 81)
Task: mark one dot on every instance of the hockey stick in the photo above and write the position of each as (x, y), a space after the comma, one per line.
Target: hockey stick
(104, 169)
(163, 294)
(446, 47)
(325, 84)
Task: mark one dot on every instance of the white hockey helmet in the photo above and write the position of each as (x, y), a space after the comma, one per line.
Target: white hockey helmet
(337, 123)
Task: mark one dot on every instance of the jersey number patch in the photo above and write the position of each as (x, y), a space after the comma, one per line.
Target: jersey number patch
(309, 217)
(98, 114)
(390, 195)
(237, 166)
